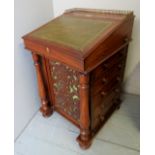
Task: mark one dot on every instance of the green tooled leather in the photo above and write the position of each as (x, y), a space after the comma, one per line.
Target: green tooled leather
(75, 32)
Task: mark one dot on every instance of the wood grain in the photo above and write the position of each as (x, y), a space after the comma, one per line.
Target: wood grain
(83, 85)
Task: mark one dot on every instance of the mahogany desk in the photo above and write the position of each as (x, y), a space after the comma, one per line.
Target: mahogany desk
(80, 60)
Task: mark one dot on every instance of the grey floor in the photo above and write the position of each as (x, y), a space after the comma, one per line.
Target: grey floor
(56, 135)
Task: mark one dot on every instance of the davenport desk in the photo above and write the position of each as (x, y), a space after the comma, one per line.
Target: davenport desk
(80, 59)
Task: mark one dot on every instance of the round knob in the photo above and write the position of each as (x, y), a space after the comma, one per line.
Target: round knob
(47, 50)
(103, 93)
(104, 80)
(102, 117)
(105, 65)
(118, 78)
(120, 66)
(117, 90)
(126, 40)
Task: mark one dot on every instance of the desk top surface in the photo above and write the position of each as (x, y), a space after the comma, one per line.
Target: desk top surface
(76, 32)
(77, 29)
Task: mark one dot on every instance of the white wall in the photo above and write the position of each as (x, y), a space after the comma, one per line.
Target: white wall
(29, 14)
(134, 49)
(132, 83)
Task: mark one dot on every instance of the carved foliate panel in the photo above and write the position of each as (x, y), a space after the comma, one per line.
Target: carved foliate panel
(66, 88)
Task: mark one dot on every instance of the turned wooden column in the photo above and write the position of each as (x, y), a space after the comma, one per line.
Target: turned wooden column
(45, 108)
(84, 137)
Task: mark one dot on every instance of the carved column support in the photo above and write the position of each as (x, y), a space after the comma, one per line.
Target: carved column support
(45, 108)
(84, 138)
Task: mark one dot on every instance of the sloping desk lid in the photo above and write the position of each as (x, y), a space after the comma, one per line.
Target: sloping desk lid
(78, 29)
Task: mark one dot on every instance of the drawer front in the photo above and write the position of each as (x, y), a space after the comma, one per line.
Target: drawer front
(97, 99)
(106, 86)
(113, 62)
(99, 112)
(106, 81)
(103, 79)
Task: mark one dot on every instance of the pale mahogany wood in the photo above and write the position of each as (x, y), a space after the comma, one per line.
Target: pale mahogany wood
(45, 108)
(83, 86)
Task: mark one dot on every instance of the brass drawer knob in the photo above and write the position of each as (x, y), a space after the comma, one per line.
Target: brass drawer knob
(126, 40)
(103, 93)
(105, 65)
(118, 78)
(47, 50)
(104, 80)
(102, 117)
(120, 66)
(117, 90)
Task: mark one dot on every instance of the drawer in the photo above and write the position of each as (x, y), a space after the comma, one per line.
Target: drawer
(112, 85)
(99, 112)
(115, 59)
(105, 88)
(109, 68)
(106, 80)
(103, 94)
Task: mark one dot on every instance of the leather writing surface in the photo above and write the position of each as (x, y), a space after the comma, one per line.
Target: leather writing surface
(75, 32)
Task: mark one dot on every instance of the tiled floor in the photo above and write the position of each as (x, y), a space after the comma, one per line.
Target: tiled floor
(56, 135)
